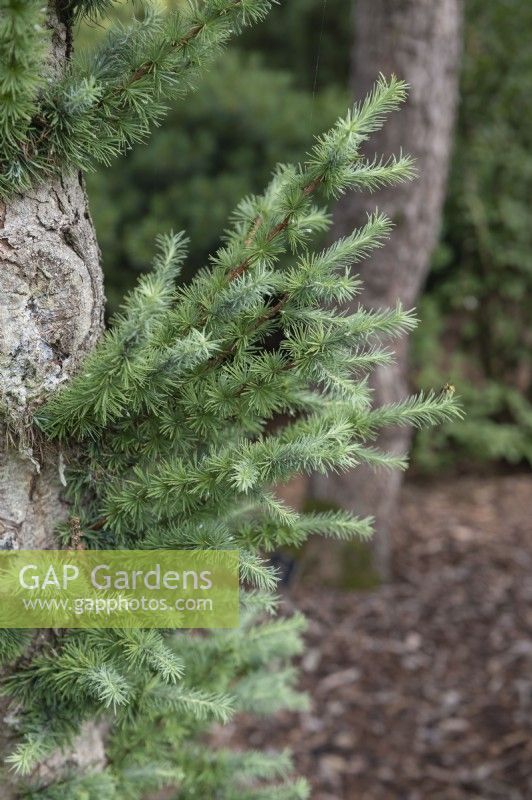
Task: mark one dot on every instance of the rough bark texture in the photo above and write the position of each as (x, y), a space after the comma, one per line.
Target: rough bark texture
(51, 305)
(420, 41)
(51, 315)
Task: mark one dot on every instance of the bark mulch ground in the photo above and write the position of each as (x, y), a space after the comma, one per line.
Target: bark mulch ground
(423, 688)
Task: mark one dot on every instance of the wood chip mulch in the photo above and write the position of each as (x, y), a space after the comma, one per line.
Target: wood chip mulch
(423, 688)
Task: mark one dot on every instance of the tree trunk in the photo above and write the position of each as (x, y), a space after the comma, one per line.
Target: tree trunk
(420, 41)
(51, 315)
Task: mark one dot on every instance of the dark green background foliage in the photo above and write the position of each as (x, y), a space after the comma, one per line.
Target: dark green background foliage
(303, 35)
(476, 316)
(257, 107)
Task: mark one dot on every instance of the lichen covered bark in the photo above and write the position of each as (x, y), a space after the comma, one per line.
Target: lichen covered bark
(51, 306)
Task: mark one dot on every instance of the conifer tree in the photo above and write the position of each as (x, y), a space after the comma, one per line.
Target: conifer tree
(160, 437)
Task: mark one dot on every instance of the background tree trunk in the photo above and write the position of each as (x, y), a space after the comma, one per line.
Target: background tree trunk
(51, 315)
(420, 41)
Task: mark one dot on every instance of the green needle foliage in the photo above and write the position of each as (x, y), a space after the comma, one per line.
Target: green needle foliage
(227, 135)
(22, 51)
(173, 435)
(88, 8)
(109, 99)
(172, 415)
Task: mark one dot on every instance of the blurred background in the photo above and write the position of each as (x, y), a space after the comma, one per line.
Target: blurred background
(420, 648)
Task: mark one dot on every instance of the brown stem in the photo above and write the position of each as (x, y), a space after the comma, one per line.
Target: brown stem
(279, 228)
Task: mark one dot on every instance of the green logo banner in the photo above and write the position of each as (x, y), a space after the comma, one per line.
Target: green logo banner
(119, 589)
